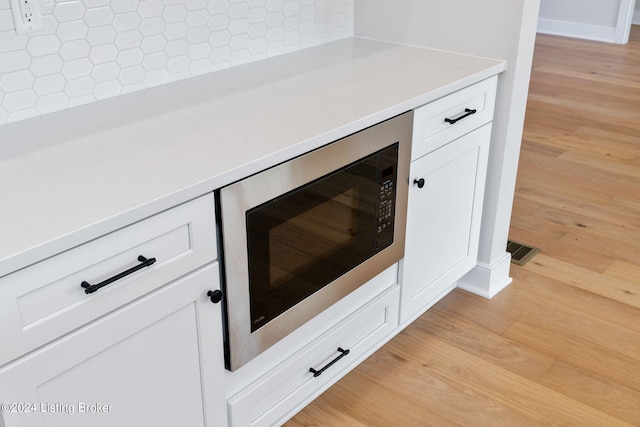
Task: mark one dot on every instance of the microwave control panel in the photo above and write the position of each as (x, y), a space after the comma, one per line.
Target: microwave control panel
(385, 214)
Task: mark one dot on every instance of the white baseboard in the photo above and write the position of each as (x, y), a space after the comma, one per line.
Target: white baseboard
(580, 31)
(636, 17)
(487, 280)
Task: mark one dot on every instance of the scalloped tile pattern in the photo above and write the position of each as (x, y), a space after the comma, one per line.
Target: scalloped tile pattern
(95, 49)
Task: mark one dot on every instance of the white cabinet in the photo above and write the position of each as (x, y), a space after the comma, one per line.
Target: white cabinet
(144, 349)
(155, 362)
(445, 198)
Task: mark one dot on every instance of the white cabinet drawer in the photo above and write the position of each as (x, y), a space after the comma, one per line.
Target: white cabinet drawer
(282, 391)
(46, 300)
(468, 108)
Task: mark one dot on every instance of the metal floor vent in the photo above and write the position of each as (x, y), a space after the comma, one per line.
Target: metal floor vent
(520, 254)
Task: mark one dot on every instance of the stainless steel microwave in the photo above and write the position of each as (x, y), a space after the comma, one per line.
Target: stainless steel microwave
(302, 235)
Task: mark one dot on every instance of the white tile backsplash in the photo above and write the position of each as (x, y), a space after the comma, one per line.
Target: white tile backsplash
(94, 49)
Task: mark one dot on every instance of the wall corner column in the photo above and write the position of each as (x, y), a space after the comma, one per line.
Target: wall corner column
(502, 29)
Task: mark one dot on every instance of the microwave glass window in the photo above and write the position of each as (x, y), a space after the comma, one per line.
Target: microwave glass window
(305, 239)
(315, 234)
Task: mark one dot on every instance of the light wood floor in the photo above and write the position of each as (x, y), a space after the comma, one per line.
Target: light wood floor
(560, 345)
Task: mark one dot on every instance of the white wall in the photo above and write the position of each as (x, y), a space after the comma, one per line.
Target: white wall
(602, 13)
(601, 20)
(636, 14)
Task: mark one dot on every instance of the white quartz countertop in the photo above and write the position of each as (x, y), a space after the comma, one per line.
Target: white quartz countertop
(71, 176)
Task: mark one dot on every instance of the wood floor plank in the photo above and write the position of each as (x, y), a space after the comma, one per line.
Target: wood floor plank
(619, 211)
(495, 315)
(626, 206)
(530, 286)
(562, 142)
(542, 149)
(593, 135)
(476, 376)
(565, 186)
(435, 403)
(624, 291)
(473, 339)
(569, 252)
(622, 270)
(360, 394)
(625, 79)
(568, 322)
(577, 352)
(577, 221)
(541, 225)
(621, 402)
(609, 164)
(576, 107)
(618, 93)
(589, 181)
(622, 249)
(443, 387)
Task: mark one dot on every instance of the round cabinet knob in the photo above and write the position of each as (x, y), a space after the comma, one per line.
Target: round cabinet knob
(419, 182)
(215, 296)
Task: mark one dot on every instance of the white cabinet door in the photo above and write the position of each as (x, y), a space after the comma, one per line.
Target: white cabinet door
(443, 220)
(157, 361)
